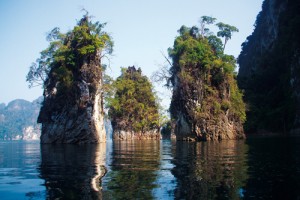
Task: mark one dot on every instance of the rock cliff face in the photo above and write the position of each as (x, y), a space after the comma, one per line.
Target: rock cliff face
(269, 70)
(206, 103)
(262, 39)
(212, 125)
(77, 117)
(72, 111)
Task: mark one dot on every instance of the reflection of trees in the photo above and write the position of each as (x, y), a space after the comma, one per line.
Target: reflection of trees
(133, 170)
(210, 170)
(72, 171)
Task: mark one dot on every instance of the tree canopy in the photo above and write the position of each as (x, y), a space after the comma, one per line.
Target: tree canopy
(225, 31)
(67, 52)
(133, 106)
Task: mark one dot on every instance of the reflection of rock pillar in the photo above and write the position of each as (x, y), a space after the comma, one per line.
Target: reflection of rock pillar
(210, 170)
(134, 168)
(73, 172)
(100, 169)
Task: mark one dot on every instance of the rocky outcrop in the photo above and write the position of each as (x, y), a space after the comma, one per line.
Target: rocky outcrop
(134, 110)
(206, 102)
(269, 70)
(222, 129)
(72, 111)
(77, 118)
(211, 126)
(131, 135)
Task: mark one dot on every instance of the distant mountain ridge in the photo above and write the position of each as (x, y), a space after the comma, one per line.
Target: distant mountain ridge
(18, 119)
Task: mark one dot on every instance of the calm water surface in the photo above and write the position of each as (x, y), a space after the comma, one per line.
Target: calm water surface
(260, 168)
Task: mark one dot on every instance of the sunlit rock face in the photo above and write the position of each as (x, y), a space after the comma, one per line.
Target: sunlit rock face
(75, 116)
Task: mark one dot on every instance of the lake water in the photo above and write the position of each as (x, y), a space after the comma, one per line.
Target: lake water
(258, 168)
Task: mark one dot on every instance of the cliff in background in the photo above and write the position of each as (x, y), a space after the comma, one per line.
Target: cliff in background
(18, 120)
(269, 70)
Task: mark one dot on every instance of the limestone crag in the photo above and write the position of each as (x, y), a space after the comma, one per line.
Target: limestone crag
(206, 102)
(75, 120)
(72, 111)
(224, 127)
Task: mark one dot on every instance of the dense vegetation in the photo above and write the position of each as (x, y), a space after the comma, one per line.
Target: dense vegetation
(203, 77)
(133, 106)
(68, 59)
(270, 69)
(16, 116)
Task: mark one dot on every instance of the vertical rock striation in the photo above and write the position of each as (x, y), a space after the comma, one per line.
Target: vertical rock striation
(72, 111)
(77, 117)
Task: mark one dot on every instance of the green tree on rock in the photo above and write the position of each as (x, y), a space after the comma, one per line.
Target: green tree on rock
(133, 106)
(225, 31)
(67, 52)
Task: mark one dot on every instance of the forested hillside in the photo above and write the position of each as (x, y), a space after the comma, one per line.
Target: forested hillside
(18, 115)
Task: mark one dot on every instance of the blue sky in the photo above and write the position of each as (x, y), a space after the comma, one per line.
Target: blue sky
(140, 29)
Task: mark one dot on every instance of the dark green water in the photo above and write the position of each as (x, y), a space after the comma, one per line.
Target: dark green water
(258, 168)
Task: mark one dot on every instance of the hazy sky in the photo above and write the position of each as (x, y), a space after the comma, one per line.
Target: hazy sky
(140, 29)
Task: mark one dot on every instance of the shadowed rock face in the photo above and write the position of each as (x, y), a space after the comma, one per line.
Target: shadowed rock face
(269, 69)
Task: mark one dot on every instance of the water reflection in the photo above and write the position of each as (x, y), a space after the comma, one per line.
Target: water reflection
(72, 171)
(133, 170)
(253, 169)
(18, 176)
(210, 170)
(274, 168)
